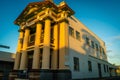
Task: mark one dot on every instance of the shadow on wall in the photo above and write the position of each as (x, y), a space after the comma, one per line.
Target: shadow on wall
(91, 48)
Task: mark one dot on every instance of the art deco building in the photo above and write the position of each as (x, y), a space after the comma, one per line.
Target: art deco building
(54, 45)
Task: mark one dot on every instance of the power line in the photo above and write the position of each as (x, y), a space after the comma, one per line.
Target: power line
(4, 46)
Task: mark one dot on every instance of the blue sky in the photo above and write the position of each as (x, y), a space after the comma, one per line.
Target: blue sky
(100, 16)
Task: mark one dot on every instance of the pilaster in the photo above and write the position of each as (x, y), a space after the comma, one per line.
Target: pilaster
(17, 61)
(63, 44)
(36, 55)
(19, 47)
(55, 52)
(23, 63)
(46, 48)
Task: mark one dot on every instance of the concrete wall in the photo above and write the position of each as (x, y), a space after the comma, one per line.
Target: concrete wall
(81, 45)
(7, 56)
(79, 49)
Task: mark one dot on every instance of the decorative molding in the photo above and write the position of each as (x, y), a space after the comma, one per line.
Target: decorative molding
(30, 23)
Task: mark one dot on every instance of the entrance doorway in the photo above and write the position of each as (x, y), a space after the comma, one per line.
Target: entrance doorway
(30, 59)
(99, 70)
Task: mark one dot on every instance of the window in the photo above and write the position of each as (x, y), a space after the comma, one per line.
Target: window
(31, 39)
(71, 31)
(42, 35)
(89, 66)
(104, 68)
(100, 49)
(30, 59)
(87, 41)
(96, 47)
(92, 44)
(32, 30)
(32, 36)
(21, 40)
(50, 59)
(107, 68)
(52, 35)
(76, 64)
(77, 35)
(103, 51)
(41, 53)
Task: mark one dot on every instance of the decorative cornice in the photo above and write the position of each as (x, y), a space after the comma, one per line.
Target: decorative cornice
(64, 7)
(30, 23)
(33, 9)
(39, 5)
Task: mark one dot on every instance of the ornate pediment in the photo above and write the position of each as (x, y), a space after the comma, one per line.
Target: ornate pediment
(39, 10)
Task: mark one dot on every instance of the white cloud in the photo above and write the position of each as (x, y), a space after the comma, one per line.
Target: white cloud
(108, 44)
(117, 37)
(109, 51)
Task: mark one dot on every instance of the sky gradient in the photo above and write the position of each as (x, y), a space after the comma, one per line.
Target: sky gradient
(100, 16)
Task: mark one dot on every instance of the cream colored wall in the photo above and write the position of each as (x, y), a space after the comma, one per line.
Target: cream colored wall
(85, 53)
(83, 66)
(80, 46)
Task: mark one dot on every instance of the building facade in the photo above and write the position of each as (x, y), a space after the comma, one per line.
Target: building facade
(6, 64)
(118, 71)
(52, 40)
(87, 53)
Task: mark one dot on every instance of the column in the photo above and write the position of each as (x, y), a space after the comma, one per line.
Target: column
(63, 44)
(36, 55)
(23, 64)
(18, 54)
(46, 48)
(55, 53)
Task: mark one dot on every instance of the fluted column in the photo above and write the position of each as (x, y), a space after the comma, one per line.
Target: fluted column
(63, 44)
(19, 47)
(36, 56)
(46, 48)
(55, 52)
(23, 64)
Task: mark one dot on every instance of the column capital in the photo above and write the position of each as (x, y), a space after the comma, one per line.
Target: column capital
(46, 47)
(39, 22)
(56, 23)
(63, 20)
(48, 17)
(21, 30)
(63, 44)
(27, 27)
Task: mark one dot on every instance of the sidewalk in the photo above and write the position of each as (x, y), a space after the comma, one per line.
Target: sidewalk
(106, 78)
